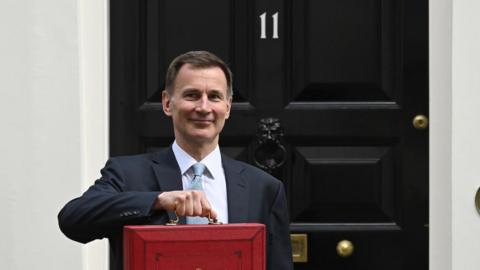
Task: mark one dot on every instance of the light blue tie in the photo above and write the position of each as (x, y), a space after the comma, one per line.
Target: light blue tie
(196, 184)
(198, 169)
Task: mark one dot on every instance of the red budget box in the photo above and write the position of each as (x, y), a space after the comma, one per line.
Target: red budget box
(195, 247)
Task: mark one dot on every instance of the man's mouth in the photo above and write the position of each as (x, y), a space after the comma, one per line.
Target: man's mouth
(202, 120)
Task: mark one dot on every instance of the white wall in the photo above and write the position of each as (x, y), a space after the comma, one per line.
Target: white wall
(455, 133)
(53, 126)
(465, 133)
(40, 138)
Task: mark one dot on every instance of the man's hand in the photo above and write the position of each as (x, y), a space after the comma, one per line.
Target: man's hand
(185, 203)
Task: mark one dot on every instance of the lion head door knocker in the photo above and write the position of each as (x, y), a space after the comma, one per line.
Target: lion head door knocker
(269, 153)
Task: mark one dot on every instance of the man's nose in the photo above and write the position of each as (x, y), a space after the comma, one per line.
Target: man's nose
(203, 104)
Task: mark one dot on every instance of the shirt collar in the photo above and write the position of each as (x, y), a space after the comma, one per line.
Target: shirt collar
(212, 161)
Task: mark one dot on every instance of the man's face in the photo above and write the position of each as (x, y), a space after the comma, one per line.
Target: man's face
(199, 104)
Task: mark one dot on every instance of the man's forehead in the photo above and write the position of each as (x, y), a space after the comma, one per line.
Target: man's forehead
(191, 74)
(189, 68)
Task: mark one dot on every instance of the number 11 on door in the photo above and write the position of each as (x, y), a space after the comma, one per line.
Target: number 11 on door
(263, 26)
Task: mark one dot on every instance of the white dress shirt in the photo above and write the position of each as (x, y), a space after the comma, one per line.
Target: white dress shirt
(213, 180)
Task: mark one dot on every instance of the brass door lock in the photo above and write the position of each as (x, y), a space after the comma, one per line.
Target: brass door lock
(299, 247)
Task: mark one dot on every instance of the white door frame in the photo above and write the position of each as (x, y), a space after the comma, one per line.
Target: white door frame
(440, 141)
(93, 23)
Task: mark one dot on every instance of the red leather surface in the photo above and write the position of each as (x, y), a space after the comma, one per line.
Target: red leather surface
(195, 247)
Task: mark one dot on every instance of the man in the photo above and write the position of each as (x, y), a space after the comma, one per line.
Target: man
(142, 189)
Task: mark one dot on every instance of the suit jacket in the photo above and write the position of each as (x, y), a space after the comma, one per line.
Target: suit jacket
(129, 186)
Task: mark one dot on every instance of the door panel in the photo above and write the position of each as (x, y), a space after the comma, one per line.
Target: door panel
(343, 78)
(345, 50)
(343, 184)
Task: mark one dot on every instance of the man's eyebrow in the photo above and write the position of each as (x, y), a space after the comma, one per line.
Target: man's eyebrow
(189, 90)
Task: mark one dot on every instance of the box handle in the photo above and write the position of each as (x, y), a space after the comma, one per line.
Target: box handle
(174, 221)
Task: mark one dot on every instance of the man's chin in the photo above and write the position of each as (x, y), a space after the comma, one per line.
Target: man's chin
(202, 138)
(202, 125)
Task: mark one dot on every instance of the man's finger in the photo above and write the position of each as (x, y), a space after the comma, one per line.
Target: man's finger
(180, 207)
(197, 203)
(213, 213)
(207, 210)
(188, 204)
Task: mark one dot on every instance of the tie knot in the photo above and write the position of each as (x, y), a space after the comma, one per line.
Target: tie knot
(198, 169)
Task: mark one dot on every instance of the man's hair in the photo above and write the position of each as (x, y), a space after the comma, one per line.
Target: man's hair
(197, 59)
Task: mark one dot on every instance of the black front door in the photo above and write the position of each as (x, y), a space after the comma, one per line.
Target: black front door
(324, 97)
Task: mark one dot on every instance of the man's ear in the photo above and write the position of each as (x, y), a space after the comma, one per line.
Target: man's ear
(229, 106)
(166, 103)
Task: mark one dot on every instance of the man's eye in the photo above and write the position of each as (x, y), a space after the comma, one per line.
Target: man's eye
(215, 97)
(190, 95)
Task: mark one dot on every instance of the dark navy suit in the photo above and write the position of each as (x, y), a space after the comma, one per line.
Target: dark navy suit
(129, 186)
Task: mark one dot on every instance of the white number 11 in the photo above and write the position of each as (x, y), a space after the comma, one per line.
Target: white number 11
(263, 26)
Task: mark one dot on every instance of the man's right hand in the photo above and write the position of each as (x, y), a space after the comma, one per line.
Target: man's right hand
(185, 203)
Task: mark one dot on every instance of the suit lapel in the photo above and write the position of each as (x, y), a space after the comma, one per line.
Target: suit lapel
(168, 173)
(237, 191)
